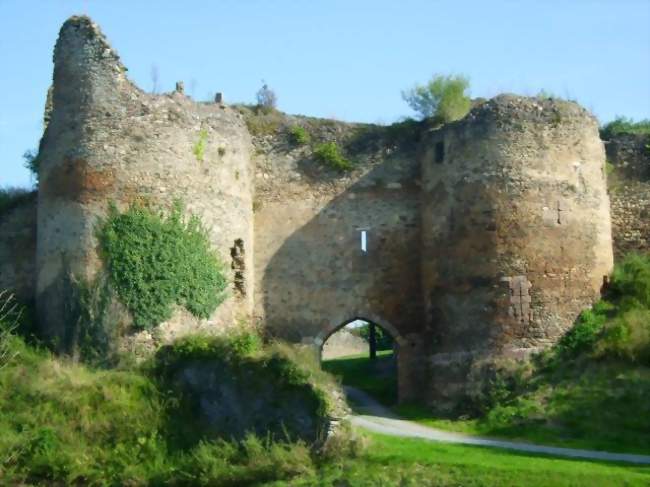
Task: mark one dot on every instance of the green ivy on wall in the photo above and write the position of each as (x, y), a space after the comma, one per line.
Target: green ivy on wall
(156, 260)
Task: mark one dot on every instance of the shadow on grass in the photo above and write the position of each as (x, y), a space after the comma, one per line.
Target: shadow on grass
(377, 378)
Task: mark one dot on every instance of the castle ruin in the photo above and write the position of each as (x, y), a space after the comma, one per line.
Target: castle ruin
(484, 238)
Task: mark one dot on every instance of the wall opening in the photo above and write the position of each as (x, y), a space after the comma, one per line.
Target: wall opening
(363, 355)
(238, 265)
(440, 152)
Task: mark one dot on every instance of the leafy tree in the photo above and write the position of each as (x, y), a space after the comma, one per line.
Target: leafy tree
(384, 340)
(442, 98)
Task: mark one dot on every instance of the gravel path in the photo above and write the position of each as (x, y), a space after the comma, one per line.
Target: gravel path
(374, 417)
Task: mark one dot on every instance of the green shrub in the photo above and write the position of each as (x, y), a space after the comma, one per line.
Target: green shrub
(585, 333)
(298, 135)
(628, 337)
(155, 261)
(623, 125)
(630, 283)
(32, 162)
(199, 148)
(619, 324)
(329, 154)
(442, 98)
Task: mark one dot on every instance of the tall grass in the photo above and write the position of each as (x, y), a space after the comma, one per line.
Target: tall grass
(63, 423)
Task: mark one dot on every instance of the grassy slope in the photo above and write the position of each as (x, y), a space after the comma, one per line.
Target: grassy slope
(603, 406)
(410, 462)
(584, 404)
(63, 424)
(591, 391)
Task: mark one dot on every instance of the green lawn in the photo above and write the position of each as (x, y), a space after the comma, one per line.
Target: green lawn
(600, 406)
(393, 461)
(376, 377)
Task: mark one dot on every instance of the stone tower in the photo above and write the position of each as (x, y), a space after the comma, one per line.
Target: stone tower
(515, 229)
(108, 141)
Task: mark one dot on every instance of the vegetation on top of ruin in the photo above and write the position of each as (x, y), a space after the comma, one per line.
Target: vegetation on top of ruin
(199, 147)
(329, 154)
(32, 163)
(266, 98)
(155, 261)
(443, 98)
(299, 135)
(11, 198)
(624, 125)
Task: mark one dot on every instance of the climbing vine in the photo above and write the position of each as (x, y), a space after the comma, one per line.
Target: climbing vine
(156, 260)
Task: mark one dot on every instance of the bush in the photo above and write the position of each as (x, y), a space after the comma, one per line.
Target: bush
(630, 281)
(627, 337)
(155, 261)
(442, 98)
(585, 333)
(618, 325)
(329, 154)
(199, 148)
(623, 125)
(298, 135)
(10, 198)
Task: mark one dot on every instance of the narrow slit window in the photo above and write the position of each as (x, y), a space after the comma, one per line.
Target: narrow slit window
(364, 241)
(440, 152)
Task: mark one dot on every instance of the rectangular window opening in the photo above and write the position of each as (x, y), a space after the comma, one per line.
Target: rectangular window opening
(364, 241)
(440, 152)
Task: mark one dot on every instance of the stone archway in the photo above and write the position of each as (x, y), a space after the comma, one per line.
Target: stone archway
(342, 319)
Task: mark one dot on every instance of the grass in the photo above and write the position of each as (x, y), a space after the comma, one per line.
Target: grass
(67, 424)
(376, 377)
(592, 390)
(391, 461)
(592, 406)
(63, 423)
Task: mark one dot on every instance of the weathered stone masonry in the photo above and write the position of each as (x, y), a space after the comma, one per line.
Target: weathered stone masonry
(484, 240)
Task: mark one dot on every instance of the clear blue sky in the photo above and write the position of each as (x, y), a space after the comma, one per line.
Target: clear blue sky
(347, 59)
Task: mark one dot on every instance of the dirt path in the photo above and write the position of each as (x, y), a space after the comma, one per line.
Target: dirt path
(374, 417)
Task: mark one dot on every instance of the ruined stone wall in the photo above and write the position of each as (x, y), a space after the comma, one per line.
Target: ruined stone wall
(516, 231)
(311, 274)
(629, 185)
(107, 141)
(18, 249)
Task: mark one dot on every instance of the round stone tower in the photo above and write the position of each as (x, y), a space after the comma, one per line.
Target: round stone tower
(108, 141)
(516, 231)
